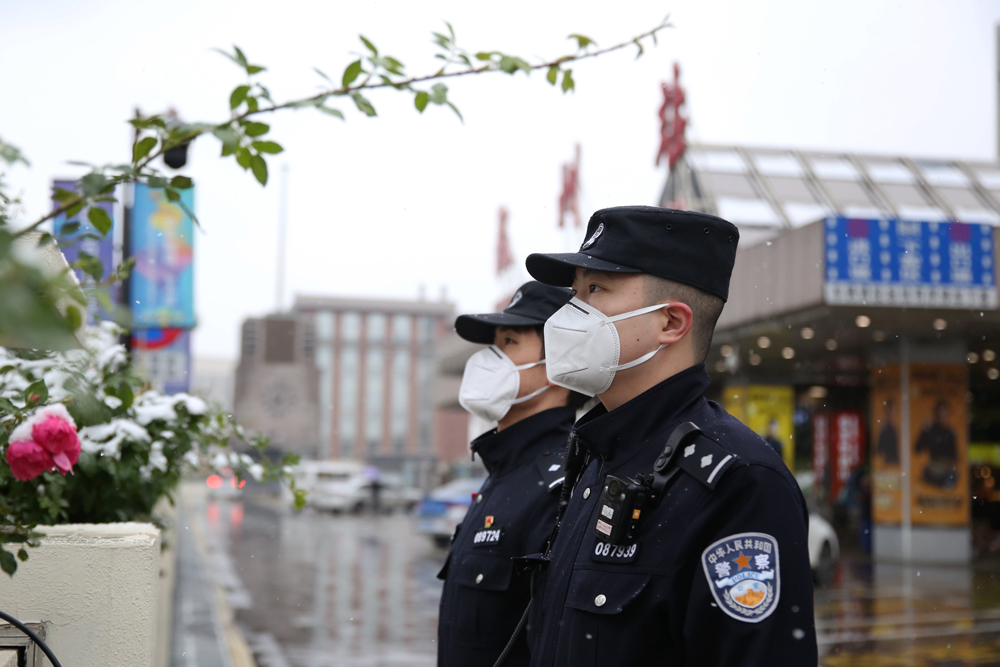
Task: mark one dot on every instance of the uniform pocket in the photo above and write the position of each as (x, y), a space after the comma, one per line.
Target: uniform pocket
(598, 607)
(490, 599)
(486, 572)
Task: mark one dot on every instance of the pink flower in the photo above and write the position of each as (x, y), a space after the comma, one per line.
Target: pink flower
(56, 434)
(27, 460)
(52, 429)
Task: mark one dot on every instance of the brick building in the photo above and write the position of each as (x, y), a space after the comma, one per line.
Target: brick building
(341, 378)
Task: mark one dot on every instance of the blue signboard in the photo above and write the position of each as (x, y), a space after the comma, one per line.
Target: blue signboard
(163, 357)
(904, 263)
(162, 243)
(87, 239)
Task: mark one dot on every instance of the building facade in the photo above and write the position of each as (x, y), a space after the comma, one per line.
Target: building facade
(341, 378)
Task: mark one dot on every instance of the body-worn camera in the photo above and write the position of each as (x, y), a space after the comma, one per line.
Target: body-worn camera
(619, 509)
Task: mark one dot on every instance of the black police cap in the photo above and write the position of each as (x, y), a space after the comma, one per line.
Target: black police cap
(532, 304)
(696, 249)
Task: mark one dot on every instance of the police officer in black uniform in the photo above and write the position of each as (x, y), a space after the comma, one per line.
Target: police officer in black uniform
(514, 513)
(684, 538)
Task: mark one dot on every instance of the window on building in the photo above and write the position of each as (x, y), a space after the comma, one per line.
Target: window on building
(376, 328)
(374, 395)
(249, 338)
(350, 327)
(425, 405)
(324, 364)
(324, 327)
(348, 408)
(400, 398)
(402, 329)
(426, 332)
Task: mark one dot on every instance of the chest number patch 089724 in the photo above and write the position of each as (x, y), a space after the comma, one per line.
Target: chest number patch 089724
(604, 552)
(744, 575)
(488, 537)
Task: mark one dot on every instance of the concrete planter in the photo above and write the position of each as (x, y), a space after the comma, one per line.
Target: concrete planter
(97, 589)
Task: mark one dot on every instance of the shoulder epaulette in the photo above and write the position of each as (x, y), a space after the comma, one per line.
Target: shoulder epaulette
(705, 460)
(551, 466)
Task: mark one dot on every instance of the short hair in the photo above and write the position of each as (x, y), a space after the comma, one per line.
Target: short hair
(706, 309)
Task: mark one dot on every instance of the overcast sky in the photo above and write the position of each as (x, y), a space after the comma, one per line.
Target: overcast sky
(379, 207)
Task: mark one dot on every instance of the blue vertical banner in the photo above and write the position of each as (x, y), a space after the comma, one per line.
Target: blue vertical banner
(87, 239)
(909, 263)
(162, 243)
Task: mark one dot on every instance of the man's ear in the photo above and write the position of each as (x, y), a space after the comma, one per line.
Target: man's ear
(676, 321)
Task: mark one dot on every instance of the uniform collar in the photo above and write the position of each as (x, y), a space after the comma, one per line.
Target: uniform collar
(620, 433)
(521, 443)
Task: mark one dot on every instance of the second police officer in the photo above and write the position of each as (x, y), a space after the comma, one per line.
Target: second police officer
(514, 513)
(678, 546)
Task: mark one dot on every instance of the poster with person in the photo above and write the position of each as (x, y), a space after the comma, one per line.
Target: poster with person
(768, 410)
(938, 445)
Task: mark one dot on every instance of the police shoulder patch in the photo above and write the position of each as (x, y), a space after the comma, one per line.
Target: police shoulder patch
(744, 575)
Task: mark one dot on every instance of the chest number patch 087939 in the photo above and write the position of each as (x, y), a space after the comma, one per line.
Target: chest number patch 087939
(604, 552)
(744, 575)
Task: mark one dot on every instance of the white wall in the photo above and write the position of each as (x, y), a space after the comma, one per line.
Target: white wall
(94, 585)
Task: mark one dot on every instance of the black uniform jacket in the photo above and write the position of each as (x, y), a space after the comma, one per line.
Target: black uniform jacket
(716, 577)
(514, 514)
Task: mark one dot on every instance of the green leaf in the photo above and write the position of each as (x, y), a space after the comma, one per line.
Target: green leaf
(252, 104)
(181, 182)
(253, 69)
(439, 93)
(371, 47)
(300, 501)
(74, 209)
(639, 46)
(581, 41)
(9, 564)
(242, 59)
(142, 148)
(330, 111)
(227, 136)
(156, 181)
(22, 554)
(90, 265)
(62, 196)
(172, 195)
(457, 112)
(238, 95)
(69, 228)
(485, 55)
(73, 317)
(420, 100)
(507, 64)
(243, 157)
(553, 74)
(351, 73)
(259, 167)
(393, 65)
(363, 104)
(323, 74)
(268, 147)
(99, 219)
(92, 184)
(256, 129)
(567, 82)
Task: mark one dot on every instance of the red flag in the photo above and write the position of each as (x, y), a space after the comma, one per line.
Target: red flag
(569, 200)
(505, 257)
(672, 123)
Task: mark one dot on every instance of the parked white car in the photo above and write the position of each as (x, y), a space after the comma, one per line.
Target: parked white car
(346, 486)
(824, 547)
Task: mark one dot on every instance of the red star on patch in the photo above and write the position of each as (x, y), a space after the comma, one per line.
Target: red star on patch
(742, 561)
(489, 522)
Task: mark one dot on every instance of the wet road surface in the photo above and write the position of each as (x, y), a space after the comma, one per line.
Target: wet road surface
(313, 590)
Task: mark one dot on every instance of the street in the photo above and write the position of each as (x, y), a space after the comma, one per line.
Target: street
(312, 589)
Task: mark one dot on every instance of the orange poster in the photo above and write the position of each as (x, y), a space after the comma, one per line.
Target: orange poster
(939, 491)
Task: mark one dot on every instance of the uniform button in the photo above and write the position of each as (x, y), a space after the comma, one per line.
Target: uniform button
(599, 600)
(586, 493)
(479, 580)
(479, 498)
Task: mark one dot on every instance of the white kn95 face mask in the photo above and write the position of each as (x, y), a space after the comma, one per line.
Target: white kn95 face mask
(491, 383)
(583, 348)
